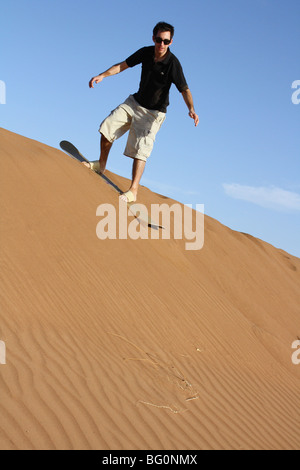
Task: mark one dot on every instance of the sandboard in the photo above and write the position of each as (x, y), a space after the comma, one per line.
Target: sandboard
(137, 212)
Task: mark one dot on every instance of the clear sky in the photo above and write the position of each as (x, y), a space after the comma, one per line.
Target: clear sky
(240, 59)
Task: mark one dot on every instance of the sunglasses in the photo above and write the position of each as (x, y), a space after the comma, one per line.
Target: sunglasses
(160, 40)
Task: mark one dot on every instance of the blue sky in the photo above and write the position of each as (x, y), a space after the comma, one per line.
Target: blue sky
(240, 58)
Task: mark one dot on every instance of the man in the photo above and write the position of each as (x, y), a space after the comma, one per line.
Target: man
(143, 113)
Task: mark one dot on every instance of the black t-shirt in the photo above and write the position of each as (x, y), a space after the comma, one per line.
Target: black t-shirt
(157, 78)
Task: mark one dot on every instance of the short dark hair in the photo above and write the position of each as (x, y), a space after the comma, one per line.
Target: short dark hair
(162, 26)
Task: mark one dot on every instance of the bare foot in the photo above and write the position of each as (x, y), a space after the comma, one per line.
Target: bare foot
(95, 166)
(129, 196)
(98, 168)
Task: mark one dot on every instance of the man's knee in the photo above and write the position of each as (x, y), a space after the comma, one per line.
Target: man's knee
(105, 141)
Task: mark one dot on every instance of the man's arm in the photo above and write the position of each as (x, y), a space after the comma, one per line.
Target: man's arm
(111, 71)
(187, 96)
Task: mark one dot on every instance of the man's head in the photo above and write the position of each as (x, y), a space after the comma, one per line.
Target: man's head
(163, 37)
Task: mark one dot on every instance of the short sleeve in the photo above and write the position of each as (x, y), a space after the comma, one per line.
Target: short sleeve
(136, 58)
(178, 77)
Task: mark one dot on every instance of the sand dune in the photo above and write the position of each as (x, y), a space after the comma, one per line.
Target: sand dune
(136, 344)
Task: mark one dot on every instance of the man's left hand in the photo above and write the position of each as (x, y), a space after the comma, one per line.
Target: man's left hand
(194, 116)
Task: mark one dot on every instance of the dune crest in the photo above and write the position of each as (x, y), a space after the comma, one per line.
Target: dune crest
(136, 344)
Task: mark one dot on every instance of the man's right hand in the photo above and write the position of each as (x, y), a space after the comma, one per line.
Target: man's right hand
(95, 80)
(111, 71)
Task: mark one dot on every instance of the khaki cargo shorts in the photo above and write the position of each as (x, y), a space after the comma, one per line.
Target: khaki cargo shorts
(142, 124)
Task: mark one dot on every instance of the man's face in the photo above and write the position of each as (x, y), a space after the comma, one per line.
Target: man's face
(161, 48)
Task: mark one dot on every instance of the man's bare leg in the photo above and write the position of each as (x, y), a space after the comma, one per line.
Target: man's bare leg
(105, 146)
(137, 172)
